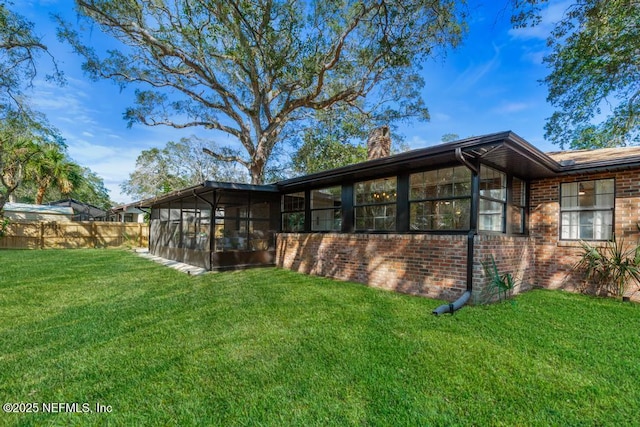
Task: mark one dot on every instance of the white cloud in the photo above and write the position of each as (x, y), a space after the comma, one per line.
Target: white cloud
(550, 15)
(474, 73)
(510, 107)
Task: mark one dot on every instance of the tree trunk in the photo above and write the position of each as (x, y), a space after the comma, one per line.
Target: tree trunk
(40, 194)
(257, 171)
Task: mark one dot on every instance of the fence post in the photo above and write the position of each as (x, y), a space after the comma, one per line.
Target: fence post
(92, 235)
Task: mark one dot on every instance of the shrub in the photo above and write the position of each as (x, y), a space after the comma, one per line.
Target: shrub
(610, 268)
(500, 286)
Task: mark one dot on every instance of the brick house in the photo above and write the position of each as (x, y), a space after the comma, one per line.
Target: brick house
(420, 222)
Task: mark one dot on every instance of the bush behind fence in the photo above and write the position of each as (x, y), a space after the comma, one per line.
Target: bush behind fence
(76, 234)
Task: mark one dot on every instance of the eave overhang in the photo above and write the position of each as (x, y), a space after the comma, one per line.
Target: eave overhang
(206, 187)
(504, 150)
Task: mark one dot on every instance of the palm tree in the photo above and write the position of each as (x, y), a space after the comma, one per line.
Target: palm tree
(52, 167)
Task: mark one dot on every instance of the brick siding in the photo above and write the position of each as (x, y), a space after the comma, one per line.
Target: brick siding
(435, 265)
(420, 264)
(512, 254)
(554, 258)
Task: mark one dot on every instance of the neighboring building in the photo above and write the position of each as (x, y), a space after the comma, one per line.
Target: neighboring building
(28, 212)
(82, 211)
(126, 213)
(420, 222)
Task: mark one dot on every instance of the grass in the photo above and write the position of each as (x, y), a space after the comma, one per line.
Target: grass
(272, 347)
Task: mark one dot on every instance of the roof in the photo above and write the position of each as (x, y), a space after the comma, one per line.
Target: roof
(205, 187)
(39, 209)
(597, 158)
(80, 208)
(504, 150)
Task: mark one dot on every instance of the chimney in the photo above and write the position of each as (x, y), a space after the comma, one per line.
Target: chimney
(379, 143)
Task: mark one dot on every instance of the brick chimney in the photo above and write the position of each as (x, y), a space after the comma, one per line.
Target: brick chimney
(379, 143)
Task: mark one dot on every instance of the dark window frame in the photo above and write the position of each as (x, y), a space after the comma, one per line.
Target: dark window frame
(335, 210)
(453, 198)
(294, 210)
(521, 207)
(580, 210)
(491, 199)
(391, 203)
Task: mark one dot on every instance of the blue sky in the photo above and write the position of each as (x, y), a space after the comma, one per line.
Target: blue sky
(489, 84)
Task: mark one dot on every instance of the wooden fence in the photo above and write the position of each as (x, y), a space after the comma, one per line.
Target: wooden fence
(76, 234)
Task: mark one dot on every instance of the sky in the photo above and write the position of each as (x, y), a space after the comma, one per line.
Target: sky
(491, 83)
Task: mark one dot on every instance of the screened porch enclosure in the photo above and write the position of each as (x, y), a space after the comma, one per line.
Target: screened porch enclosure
(217, 226)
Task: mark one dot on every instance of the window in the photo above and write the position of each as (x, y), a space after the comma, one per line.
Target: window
(326, 211)
(440, 199)
(375, 204)
(493, 198)
(293, 212)
(586, 209)
(518, 205)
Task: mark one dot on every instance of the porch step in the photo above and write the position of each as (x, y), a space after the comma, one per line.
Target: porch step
(180, 266)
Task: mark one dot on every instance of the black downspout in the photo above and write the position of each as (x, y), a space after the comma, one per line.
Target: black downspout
(473, 229)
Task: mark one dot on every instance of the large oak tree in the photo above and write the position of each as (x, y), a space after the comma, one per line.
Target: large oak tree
(250, 69)
(594, 82)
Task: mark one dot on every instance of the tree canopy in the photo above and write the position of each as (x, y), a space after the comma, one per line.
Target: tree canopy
(177, 165)
(34, 165)
(251, 69)
(594, 81)
(20, 48)
(23, 132)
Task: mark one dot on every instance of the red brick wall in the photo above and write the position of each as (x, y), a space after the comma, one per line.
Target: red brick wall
(420, 264)
(555, 258)
(512, 254)
(435, 265)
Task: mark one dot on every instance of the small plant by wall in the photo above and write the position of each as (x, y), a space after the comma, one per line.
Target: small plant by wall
(499, 286)
(610, 269)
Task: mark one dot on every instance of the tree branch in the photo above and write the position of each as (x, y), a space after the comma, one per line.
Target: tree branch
(226, 158)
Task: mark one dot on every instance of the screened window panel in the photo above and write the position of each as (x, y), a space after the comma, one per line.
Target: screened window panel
(440, 215)
(326, 198)
(491, 215)
(376, 191)
(326, 220)
(293, 222)
(441, 183)
(376, 218)
(493, 183)
(516, 219)
(293, 202)
(261, 236)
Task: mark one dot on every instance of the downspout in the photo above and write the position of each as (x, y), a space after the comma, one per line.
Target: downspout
(473, 228)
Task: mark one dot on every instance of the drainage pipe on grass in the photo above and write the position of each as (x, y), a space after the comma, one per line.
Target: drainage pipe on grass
(454, 306)
(457, 304)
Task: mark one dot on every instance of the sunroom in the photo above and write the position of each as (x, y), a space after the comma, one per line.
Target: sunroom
(216, 225)
(477, 184)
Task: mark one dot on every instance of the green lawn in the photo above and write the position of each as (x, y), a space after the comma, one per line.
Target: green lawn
(272, 347)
